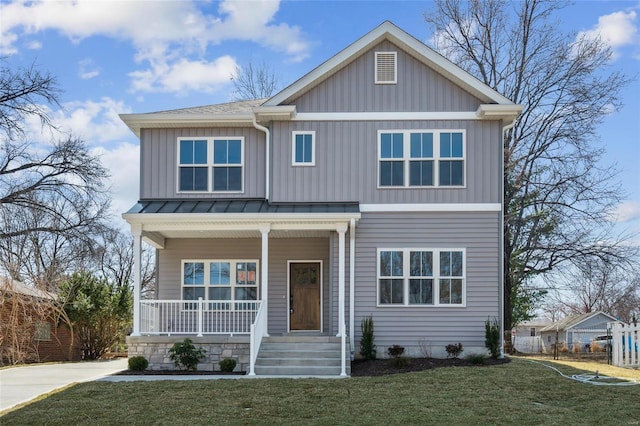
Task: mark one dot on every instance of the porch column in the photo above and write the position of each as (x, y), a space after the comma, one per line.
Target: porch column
(352, 279)
(264, 275)
(136, 230)
(341, 231)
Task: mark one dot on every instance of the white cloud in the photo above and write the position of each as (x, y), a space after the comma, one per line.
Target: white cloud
(123, 163)
(183, 75)
(87, 69)
(165, 33)
(97, 123)
(617, 29)
(34, 45)
(626, 212)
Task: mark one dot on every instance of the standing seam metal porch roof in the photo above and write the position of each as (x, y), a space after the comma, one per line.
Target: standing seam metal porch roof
(239, 206)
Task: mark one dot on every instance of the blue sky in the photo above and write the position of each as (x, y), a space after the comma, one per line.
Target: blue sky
(116, 57)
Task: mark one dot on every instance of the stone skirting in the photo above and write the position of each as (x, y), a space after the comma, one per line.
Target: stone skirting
(156, 350)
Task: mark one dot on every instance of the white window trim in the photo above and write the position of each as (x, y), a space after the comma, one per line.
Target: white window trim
(395, 70)
(313, 148)
(436, 277)
(210, 165)
(232, 279)
(406, 151)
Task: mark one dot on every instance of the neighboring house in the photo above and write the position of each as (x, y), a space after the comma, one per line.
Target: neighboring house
(577, 331)
(370, 186)
(526, 337)
(30, 327)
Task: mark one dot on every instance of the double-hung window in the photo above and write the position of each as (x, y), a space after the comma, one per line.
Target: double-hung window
(303, 149)
(421, 158)
(220, 281)
(427, 277)
(210, 164)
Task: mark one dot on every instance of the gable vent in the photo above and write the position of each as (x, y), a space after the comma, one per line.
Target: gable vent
(386, 67)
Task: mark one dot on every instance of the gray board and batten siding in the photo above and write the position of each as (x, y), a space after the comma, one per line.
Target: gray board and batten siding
(159, 162)
(281, 250)
(346, 165)
(476, 232)
(418, 88)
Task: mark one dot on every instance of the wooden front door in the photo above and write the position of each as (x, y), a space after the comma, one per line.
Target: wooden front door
(304, 296)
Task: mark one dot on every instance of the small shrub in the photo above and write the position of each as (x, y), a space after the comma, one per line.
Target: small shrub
(476, 359)
(562, 347)
(227, 365)
(454, 350)
(138, 363)
(492, 337)
(185, 355)
(576, 347)
(367, 347)
(425, 348)
(596, 347)
(395, 351)
(400, 361)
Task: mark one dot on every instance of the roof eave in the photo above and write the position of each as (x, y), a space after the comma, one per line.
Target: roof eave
(136, 122)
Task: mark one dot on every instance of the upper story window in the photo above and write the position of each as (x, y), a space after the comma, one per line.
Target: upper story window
(409, 277)
(421, 158)
(210, 164)
(386, 67)
(303, 149)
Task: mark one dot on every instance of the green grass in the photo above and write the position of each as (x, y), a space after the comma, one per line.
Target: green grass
(520, 393)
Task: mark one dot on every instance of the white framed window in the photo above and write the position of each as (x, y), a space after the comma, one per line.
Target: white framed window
(421, 277)
(386, 68)
(303, 148)
(220, 281)
(421, 158)
(214, 164)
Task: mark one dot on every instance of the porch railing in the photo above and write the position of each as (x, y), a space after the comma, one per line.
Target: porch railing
(198, 317)
(258, 331)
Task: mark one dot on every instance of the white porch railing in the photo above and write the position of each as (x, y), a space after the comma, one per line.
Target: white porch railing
(625, 342)
(198, 317)
(258, 331)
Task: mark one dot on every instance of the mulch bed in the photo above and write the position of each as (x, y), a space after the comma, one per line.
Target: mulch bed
(359, 368)
(383, 367)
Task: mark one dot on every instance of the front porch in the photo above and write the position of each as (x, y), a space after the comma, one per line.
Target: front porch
(241, 276)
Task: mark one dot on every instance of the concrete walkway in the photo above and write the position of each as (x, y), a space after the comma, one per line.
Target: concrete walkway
(22, 384)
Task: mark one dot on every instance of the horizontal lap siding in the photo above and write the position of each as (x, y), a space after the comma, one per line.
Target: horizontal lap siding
(280, 251)
(478, 233)
(346, 166)
(418, 88)
(159, 163)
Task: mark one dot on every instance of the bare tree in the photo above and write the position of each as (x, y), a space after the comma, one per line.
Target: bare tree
(24, 92)
(557, 195)
(254, 82)
(593, 284)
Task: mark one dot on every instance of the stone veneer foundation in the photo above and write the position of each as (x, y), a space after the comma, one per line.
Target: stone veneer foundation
(156, 350)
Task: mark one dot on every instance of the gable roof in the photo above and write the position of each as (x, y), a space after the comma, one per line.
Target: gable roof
(389, 31)
(573, 320)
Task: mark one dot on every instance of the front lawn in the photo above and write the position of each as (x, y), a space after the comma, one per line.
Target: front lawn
(519, 392)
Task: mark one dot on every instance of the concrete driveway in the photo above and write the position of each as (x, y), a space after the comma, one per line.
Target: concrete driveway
(22, 384)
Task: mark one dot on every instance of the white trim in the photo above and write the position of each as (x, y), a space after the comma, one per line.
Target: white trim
(293, 148)
(435, 277)
(210, 165)
(289, 262)
(395, 67)
(232, 286)
(381, 116)
(431, 207)
(436, 158)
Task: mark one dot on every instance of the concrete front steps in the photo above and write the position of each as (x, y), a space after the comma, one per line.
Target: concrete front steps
(293, 355)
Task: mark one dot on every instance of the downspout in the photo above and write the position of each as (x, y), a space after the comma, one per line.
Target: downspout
(501, 242)
(267, 139)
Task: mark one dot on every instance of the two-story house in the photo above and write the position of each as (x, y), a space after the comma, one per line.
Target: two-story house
(372, 186)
